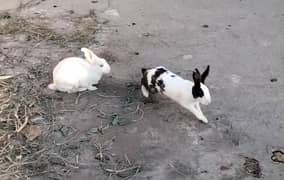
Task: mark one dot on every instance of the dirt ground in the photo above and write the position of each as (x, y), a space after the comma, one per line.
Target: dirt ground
(110, 133)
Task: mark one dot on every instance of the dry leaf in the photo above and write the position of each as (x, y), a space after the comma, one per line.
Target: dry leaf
(278, 156)
(252, 167)
(31, 132)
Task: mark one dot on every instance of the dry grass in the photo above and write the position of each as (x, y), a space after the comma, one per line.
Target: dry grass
(38, 30)
(21, 157)
(15, 113)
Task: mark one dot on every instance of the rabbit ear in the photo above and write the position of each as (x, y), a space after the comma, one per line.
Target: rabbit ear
(196, 78)
(205, 74)
(143, 70)
(196, 70)
(89, 55)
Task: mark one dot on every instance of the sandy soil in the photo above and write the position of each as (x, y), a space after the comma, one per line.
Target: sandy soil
(111, 133)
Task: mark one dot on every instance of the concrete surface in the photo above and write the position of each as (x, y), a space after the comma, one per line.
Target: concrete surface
(243, 43)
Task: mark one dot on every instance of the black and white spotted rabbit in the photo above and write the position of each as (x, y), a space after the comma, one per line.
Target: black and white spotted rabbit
(187, 93)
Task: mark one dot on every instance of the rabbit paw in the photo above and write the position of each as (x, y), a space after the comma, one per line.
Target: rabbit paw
(92, 88)
(204, 119)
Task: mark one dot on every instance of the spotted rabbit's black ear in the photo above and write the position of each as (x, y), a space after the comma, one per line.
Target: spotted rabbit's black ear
(196, 70)
(205, 74)
(143, 70)
(196, 78)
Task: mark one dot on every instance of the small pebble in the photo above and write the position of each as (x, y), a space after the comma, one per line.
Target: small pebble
(273, 80)
(112, 12)
(147, 34)
(136, 53)
(55, 6)
(187, 56)
(204, 171)
(94, 1)
(133, 24)
(205, 26)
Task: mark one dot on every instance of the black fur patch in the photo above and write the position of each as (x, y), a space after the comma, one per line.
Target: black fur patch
(154, 78)
(161, 85)
(143, 70)
(152, 86)
(197, 92)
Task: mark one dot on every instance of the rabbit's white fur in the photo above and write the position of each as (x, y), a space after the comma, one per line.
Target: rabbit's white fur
(177, 89)
(76, 74)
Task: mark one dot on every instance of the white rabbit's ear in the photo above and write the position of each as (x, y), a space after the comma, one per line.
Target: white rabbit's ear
(89, 55)
(205, 74)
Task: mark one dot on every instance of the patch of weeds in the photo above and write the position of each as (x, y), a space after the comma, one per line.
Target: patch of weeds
(16, 109)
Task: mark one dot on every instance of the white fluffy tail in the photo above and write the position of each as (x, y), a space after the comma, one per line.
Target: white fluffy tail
(52, 86)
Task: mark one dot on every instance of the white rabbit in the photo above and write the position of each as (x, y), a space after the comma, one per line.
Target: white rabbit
(76, 74)
(187, 93)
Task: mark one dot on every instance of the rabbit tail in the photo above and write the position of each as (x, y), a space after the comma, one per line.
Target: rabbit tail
(52, 86)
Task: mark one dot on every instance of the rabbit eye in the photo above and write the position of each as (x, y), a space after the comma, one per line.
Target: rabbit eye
(101, 65)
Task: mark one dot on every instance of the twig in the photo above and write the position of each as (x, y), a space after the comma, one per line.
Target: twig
(67, 110)
(176, 170)
(15, 164)
(100, 111)
(121, 170)
(65, 161)
(23, 125)
(77, 160)
(67, 141)
(100, 151)
(141, 117)
(78, 97)
(6, 101)
(127, 159)
(118, 106)
(105, 96)
(4, 148)
(8, 174)
(5, 55)
(137, 109)
(5, 77)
